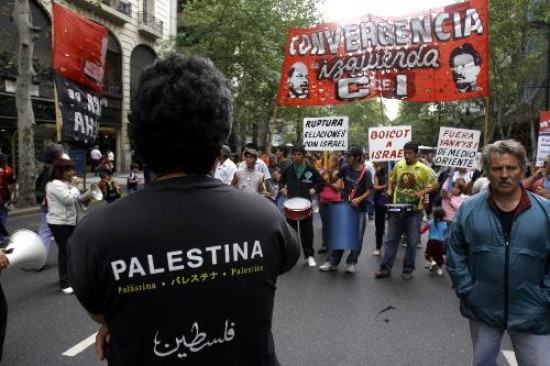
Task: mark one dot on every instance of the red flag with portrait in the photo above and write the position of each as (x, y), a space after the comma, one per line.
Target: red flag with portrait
(435, 55)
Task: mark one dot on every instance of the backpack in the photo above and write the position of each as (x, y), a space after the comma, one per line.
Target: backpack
(40, 186)
(112, 191)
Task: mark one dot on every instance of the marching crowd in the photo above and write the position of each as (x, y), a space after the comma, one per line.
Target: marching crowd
(207, 294)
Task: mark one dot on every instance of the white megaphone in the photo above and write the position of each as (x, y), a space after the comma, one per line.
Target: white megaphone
(93, 193)
(26, 250)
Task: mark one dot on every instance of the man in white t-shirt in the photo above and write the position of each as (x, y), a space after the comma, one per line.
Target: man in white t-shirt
(95, 157)
(226, 168)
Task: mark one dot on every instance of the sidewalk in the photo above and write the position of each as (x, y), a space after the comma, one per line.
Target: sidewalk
(90, 178)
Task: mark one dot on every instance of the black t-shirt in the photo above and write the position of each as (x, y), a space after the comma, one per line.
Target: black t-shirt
(350, 177)
(184, 272)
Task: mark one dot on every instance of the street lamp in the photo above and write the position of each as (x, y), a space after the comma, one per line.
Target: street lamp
(540, 24)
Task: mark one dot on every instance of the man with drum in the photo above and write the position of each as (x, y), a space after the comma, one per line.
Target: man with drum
(408, 182)
(300, 179)
(357, 188)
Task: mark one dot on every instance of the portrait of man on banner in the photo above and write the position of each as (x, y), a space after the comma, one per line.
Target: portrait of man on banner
(465, 63)
(298, 81)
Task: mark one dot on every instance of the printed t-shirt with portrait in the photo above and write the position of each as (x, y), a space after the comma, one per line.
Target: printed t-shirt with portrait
(408, 179)
(190, 280)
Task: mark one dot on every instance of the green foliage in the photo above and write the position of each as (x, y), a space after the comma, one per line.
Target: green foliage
(245, 39)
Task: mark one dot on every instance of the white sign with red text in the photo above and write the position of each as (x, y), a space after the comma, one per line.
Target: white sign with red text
(457, 147)
(386, 143)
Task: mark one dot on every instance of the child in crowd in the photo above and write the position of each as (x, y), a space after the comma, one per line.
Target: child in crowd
(435, 249)
(453, 198)
(133, 180)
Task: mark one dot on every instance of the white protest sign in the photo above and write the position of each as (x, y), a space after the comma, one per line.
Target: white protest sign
(457, 147)
(386, 143)
(543, 149)
(326, 133)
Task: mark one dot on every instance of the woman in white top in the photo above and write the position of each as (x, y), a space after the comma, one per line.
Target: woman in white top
(62, 196)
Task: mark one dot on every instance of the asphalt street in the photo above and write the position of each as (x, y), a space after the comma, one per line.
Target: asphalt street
(319, 318)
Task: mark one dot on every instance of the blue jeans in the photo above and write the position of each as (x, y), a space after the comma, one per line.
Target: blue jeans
(44, 230)
(530, 349)
(335, 255)
(407, 223)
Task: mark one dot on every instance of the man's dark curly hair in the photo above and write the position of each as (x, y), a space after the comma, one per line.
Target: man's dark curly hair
(181, 114)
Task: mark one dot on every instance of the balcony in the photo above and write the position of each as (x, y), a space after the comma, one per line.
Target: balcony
(117, 11)
(149, 25)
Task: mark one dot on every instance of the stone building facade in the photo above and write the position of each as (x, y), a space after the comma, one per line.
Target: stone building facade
(137, 29)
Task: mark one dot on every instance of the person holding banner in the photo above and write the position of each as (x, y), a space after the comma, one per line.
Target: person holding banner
(357, 188)
(300, 179)
(539, 182)
(498, 259)
(409, 181)
(331, 193)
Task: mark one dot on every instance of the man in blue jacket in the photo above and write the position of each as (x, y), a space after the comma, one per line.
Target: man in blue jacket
(498, 257)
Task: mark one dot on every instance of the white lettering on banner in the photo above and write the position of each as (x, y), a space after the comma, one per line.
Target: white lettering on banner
(176, 260)
(194, 342)
(380, 59)
(402, 32)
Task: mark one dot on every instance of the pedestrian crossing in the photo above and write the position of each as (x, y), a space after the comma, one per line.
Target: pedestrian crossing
(510, 357)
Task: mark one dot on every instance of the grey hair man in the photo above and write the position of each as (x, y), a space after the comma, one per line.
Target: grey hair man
(498, 257)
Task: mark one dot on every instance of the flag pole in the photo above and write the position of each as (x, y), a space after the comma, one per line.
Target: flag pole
(486, 124)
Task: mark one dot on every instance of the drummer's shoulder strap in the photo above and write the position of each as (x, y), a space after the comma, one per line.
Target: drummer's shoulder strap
(352, 193)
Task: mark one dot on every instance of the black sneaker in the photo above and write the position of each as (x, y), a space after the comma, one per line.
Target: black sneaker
(383, 272)
(407, 276)
(322, 250)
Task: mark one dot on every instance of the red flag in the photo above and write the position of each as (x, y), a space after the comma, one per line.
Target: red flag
(436, 55)
(79, 49)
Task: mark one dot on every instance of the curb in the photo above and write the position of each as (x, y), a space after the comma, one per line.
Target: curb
(24, 211)
(120, 178)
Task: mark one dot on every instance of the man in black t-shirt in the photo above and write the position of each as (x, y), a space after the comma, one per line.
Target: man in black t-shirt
(183, 271)
(301, 180)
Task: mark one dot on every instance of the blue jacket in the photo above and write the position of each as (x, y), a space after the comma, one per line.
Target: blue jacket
(503, 284)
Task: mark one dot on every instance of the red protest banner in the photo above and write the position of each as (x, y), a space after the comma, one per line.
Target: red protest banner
(435, 55)
(79, 49)
(544, 123)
